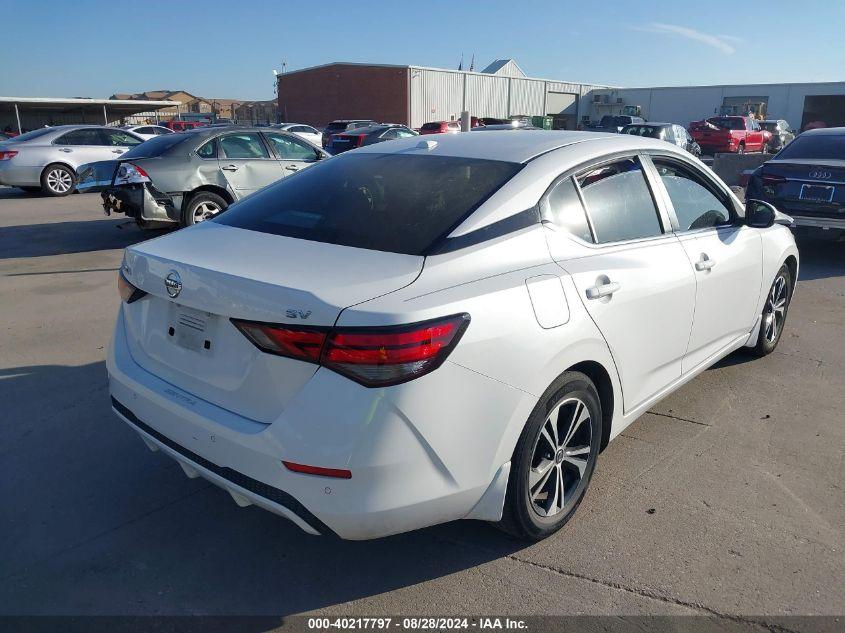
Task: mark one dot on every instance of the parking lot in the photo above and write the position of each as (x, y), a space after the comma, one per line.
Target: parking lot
(725, 499)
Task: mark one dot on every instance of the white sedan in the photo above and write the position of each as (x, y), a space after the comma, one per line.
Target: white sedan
(147, 132)
(429, 330)
(307, 132)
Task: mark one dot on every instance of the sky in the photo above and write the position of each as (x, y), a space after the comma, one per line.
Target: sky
(228, 49)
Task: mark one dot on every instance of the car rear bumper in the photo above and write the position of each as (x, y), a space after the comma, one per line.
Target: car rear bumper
(819, 222)
(19, 176)
(407, 472)
(142, 202)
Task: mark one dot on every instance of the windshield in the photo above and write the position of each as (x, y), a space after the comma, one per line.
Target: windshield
(728, 123)
(386, 202)
(156, 146)
(815, 147)
(33, 134)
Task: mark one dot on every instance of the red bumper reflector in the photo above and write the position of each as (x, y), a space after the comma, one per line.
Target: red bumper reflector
(337, 473)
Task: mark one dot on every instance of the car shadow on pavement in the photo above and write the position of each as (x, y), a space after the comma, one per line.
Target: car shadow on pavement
(60, 238)
(821, 257)
(104, 526)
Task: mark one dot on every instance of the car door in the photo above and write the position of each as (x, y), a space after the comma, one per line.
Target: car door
(726, 256)
(117, 142)
(246, 162)
(754, 138)
(82, 145)
(292, 153)
(631, 273)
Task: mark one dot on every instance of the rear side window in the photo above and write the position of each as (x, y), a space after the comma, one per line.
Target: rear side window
(563, 208)
(248, 145)
(208, 150)
(83, 136)
(398, 203)
(619, 202)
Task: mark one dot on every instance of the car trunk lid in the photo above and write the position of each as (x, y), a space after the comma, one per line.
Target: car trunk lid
(806, 186)
(223, 273)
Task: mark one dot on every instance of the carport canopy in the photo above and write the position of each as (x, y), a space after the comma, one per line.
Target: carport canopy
(31, 112)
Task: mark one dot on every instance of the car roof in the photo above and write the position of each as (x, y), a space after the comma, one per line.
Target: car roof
(650, 124)
(825, 131)
(505, 145)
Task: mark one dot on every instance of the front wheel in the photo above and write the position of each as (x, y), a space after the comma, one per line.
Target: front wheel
(774, 313)
(554, 459)
(740, 149)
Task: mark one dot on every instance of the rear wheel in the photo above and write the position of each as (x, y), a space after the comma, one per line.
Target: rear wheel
(741, 148)
(201, 207)
(58, 180)
(764, 149)
(774, 313)
(554, 459)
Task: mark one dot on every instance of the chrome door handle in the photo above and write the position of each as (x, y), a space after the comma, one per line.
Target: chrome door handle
(117, 151)
(292, 168)
(230, 168)
(705, 263)
(65, 149)
(604, 290)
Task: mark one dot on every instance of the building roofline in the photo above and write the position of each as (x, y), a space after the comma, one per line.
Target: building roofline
(447, 70)
(746, 85)
(86, 101)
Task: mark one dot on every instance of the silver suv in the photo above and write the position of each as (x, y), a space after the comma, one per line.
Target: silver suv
(47, 159)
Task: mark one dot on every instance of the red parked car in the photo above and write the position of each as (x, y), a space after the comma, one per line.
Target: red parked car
(441, 127)
(735, 134)
(181, 126)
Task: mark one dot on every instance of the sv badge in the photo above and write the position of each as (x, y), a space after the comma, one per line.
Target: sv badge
(297, 314)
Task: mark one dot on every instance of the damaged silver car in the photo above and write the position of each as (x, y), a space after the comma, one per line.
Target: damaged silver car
(189, 177)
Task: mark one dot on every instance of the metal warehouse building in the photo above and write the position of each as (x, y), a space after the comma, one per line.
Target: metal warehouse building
(798, 103)
(414, 95)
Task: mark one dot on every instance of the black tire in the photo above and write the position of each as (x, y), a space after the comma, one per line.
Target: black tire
(193, 211)
(58, 180)
(767, 340)
(741, 148)
(522, 517)
(764, 149)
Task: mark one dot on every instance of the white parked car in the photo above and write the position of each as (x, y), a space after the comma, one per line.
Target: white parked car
(147, 132)
(307, 132)
(430, 330)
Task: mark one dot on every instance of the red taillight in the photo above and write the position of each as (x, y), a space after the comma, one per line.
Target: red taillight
(128, 292)
(338, 473)
(359, 139)
(8, 154)
(371, 356)
(294, 342)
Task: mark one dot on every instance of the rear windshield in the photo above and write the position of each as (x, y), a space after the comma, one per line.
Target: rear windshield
(642, 130)
(728, 123)
(33, 134)
(386, 202)
(337, 126)
(156, 146)
(815, 147)
(431, 126)
(770, 126)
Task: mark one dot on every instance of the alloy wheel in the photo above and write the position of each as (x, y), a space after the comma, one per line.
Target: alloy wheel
(560, 457)
(59, 181)
(205, 210)
(774, 314)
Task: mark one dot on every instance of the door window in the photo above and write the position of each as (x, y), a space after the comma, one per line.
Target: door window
(619, 202)
(562, 207)
(400, 133)
(145, 130)
(116, 138)
(696, 205)
(83, 136)
(246, 145)
(291, 148)
(304, 129)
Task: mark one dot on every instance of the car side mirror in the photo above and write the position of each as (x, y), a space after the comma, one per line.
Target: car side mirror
(762, 215)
